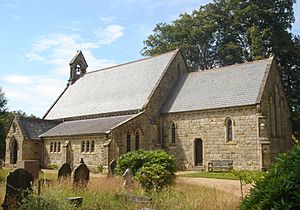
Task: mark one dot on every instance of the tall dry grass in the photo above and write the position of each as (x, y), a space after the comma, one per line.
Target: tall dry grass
(101, 194)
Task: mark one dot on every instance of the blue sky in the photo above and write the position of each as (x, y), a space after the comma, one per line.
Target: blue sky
(39, 38)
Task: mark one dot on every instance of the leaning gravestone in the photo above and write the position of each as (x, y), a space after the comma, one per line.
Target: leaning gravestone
(128, 179)
(81, 175)
(64, 171)
(111, 168)
(18, 185)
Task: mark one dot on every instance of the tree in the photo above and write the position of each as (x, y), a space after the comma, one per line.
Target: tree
(3, 102)
(227, 32)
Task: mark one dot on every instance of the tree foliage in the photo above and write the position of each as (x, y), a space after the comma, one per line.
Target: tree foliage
(280, 187)
(3, 125)
(3, 102)
(227, 32)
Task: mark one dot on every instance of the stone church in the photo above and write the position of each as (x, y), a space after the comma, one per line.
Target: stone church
(237, 113)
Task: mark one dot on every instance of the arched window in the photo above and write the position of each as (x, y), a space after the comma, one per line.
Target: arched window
(55, 146)
(82, 146)
(173, 133)
(87, 146)
(51, 147)
(128, 141)
(137, 140)
(93, 146)
(283, 119)
(58, 147)
(272, 115)
(228, 129)
(277, 111)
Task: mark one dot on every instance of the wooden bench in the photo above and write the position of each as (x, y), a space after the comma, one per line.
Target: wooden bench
(220, 165)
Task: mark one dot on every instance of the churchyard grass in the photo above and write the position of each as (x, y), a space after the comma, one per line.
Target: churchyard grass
(233, 175)
(211, 175)
(101, 194)
(4, 173)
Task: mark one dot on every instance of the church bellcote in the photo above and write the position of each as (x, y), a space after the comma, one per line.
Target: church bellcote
(78, 67)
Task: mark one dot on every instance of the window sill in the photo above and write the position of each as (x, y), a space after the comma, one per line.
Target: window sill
(231, 142)
(172, 144)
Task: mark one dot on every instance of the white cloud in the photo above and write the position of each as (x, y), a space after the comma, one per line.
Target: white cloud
(58, 49)
(17, 79)
(109, 34)
(107, 19)
(35, 94)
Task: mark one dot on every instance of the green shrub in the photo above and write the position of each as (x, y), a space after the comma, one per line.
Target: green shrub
(154, 169)
(137, 159)
(154, 176)
(280, 187)
(99, 168)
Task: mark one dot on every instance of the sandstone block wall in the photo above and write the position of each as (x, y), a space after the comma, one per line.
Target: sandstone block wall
(72, 144)
(275, 108)
(209, 126)
(18, 136)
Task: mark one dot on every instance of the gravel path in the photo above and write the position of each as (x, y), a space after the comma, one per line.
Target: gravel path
(228, 186)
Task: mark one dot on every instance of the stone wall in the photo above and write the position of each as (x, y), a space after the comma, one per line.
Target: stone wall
(176, 68)
(149, 122)
(32, 150)
(209, 126)
(119, 136)
(274, 109)
(18, 136)
(260, 132)
(72, 144)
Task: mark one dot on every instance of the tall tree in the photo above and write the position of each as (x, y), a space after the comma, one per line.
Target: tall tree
(3, 102)
(233, 31)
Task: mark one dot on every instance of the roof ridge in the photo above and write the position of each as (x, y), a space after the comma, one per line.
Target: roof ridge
(130, 62)
(233, 65)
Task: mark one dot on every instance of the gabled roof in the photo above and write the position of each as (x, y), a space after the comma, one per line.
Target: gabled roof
(230, 86)
(33, 127)
(120, 88)
(90, 126)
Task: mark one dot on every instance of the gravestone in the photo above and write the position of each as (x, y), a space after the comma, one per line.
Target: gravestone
(81, 175)
(18, 185)
(64, 171)
(81, 160)
(128, 179)
(111, 168)
(32, 166)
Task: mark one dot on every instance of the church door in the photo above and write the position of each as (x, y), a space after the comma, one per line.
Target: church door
(198, 152)
(14, 152)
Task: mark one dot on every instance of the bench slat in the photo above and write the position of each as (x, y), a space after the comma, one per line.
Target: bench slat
(220, 164)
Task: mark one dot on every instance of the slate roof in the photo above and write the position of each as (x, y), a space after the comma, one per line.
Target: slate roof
(230, 86)
(120, 88)
(33, 127)
(90, 126)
